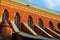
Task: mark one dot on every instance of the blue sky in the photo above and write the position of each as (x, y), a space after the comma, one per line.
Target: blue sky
(52, 4)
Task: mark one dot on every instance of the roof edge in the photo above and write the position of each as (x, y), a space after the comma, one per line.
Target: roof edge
(38, 7)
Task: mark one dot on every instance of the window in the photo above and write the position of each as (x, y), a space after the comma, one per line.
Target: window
(51, 25)
(58, 26)
(17, 19)
(40, 23)
(30, 21)
(5, 15)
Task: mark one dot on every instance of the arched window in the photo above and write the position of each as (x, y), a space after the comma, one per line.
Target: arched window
(30, 21)
(5, 15)
(51, 25)
(40, 23)
(58, 26)
(17, 19)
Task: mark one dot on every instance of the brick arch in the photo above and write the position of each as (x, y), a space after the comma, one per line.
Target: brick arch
(51, 25)
(40, 23)
(5, 15)
(17, 19)
(43, 21)
(30, 21)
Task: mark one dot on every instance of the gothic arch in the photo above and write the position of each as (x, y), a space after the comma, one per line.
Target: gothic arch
(17, 19)
(5, 15)
(30, 21)
(40, 23)
(51, 25)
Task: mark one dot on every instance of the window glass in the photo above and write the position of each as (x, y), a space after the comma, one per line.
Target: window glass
(17, 19)
(5, 15)
(30, 21)
(40, 23)
(51, 25)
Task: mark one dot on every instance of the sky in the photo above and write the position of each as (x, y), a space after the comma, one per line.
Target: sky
(51, 4)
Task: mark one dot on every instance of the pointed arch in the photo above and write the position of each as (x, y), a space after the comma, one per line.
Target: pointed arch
(17, 19)
(5, 15)
(40, 23)
(58, 26)
(30, 21)
(51, 25)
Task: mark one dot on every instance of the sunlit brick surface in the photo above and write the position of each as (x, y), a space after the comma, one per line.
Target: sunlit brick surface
(26, 11)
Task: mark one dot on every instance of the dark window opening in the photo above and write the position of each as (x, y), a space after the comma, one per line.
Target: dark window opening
(17, 19)
(58, 26)
(40, 23)
(30, 21)
(51, 25)
(5, 15)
